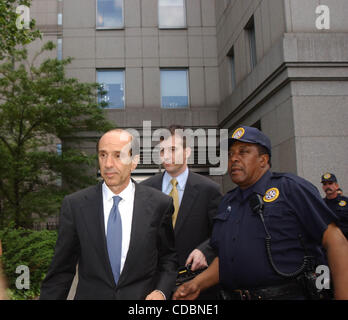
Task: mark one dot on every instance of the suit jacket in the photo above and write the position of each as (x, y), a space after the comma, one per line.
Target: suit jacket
(151, 261)
(195, 217)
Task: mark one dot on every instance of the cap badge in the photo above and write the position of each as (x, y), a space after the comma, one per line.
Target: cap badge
(342, 203)
(327, 176)
(237, 134)
(271, 195)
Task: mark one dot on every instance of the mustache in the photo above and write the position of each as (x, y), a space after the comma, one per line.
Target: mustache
(235, 167)
(328, 189)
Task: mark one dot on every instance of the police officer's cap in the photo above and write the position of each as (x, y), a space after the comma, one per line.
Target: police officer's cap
(250, 135)
(328, 177)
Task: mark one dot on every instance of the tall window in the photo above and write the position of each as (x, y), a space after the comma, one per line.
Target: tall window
(60, 19)
(60, 14)
(171, 14)
(174, 88)
(110, 14)
(232, 68)
(59, 48)
(250, 29)
(113, 83)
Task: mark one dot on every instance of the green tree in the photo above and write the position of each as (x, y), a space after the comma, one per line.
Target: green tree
(10, 35)
(30, 248)
(39, 104)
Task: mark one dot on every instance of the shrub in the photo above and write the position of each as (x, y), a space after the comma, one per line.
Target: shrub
(29, 248)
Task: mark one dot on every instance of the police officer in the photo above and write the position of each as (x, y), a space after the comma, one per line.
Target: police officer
(268, 231)
(336, 202)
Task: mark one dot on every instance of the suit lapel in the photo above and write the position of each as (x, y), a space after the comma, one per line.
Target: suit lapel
(157, 183)
(188, 199)
(138, 232)
(93, 210)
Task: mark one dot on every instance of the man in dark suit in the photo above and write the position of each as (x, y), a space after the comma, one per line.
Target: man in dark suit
(118, 232)
(195, 197)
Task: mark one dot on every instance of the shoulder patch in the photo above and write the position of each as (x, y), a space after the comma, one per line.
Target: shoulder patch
(271, 195)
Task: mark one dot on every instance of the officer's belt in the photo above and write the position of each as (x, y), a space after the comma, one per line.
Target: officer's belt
(283, 291)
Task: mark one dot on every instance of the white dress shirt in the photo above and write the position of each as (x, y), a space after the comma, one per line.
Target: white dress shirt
(126, 211)
(181, 179)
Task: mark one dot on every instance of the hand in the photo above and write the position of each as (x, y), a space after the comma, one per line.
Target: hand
(187, 291)
(155, 295)
(197, 260)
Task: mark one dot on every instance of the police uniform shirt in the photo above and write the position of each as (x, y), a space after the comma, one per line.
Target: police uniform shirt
(339, 206)
(293, 206)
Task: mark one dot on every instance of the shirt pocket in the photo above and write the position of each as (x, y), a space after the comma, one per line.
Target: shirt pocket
(281, 222)
(219, 223)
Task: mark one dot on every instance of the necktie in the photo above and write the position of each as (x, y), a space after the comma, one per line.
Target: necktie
(175, 195)
(114, 238)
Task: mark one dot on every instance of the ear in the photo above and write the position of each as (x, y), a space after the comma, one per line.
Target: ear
(135, 161)
(188, 151)
(264, 159)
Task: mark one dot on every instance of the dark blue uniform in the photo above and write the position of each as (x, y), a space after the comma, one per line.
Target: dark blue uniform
(339, 206)
(293, 207)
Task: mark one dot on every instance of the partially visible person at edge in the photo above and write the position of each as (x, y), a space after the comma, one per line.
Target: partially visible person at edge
(285, 209)
(3, 286)
(336, 202)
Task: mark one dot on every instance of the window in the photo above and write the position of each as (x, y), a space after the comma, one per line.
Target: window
(113, 83)
(109, 14)
(60, 19)
(60, 14)
(232, 68)
(171, 14)
(174, 88)
(59, 48)
(250, 29)
(59, 149)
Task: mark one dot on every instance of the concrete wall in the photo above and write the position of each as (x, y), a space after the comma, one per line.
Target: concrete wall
(298, 89)
(320, 103)
(232, 17)
(301, 16)
(45, 13)
(299, 80)
(142, 49)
